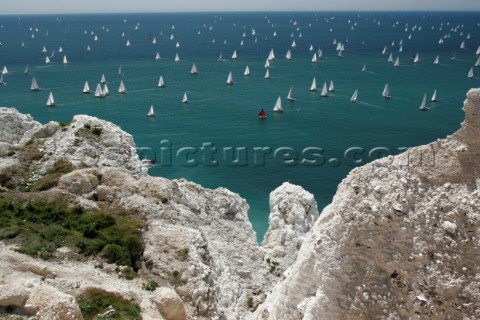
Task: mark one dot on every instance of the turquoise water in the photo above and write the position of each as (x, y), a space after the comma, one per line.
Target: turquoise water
(224, 116)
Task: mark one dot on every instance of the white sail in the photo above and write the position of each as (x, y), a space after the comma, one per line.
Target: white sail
(44, 49)
(397, 62)
(88, 48)
(331, 88)
(324, 90)
(234, 55)
(478, 51)
(50, 100)
(98, 91)
(423, 106)
(313, 87)
(128, 44)
(247, 71)
(434, 96)
(194, 69)
(470, 73)
(311, 48)
(34, 86)
(177, 58)
(437, 59)
(157, 56)
(47, 60)
(354, 96)
(102, 79)
(278, 105)
(416, 59)
(267, 64)
(462, 45)
(86, 87)
(65, 61)
(95, 38)
(177, 45)
(314, 58)
(185, 98)
(154, 41)
(161, 83)
(290, 95)
(267, 74)
(121, 87)
(288, 55)
(386, 91)
(390, 58)
(364, 68)
(294, 45)
(230, 78)
(320, 54)
(384, 51)
(26, 70)
(1, 79)
(477, 63)
(150, 112)
(120, 70)
(105, 90)
(271, 55)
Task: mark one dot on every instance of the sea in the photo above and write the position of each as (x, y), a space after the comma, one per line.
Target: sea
(217, 139)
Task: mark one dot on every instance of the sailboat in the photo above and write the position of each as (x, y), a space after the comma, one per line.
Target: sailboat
(390, 58)
(185, 98)
(320, 54)
(34, 86)
(478, 51)
(364, 68)
(262, 114)
(477, 63)
(271, 55)
(234, 55)
(267, 74)
(324, 90)
(44, 49)
(470, 73)
(1, 79)
(314, 58)
(102, 79)
(50, 100)
(437, 59)
(230, 78)
(331, 88)
(65, 61)
(194, 69)
(88, 48)
(434, 96)
(354, 96)
(313, 87)
(150, 112)
(416, 59)
(157, 56)
(128, 43)
(288, 55)
(26, 70)
(105, 90)
(267, 64)
(294, 45)
(290, 94)
(386, 92)
(247, 71)
(121, 87)
(86, 88)
(177, 58)
(161, 83)
(278, 105)
(98, 91)
(120, 70)
(423, 106)
(397, 62)
(47, 60)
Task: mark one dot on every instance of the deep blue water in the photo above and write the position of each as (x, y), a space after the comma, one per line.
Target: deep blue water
(224, 116)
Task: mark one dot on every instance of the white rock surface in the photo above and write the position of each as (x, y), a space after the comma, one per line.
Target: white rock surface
(14, 125)
(293, 212)
(399, 241)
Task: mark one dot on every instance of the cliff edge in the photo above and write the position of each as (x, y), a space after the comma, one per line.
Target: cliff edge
(399, 240)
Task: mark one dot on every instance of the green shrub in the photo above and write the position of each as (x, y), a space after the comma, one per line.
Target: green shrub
(96, 301)
(114, 253)
(150, 285)
(63, 123)
(149, 264)
(97, 131)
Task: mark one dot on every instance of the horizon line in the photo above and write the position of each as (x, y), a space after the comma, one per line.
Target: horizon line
(257, 11)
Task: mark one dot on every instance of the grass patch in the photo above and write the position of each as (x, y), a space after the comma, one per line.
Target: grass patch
(50, 180)
(96, 301)
(30, 152)
(150, 285)
(39, 228)
(14, 177)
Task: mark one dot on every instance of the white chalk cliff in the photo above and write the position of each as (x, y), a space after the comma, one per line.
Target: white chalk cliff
(399, 240)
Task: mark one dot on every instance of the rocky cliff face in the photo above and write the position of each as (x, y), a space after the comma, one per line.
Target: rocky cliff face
(400, 239)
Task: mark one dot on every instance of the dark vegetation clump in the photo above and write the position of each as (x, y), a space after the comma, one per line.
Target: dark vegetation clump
(96, 301)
